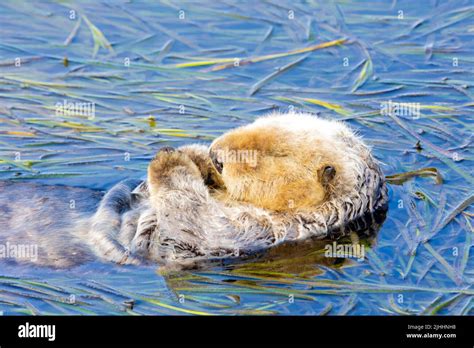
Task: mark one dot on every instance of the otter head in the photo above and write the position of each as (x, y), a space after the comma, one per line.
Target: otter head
(284, 162)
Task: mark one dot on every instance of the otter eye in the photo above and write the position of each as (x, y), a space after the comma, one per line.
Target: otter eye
(216, 161)
(328, 174)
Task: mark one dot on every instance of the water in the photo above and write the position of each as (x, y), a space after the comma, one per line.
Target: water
(420, 261)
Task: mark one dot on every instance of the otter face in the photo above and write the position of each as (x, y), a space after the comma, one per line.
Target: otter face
(281, 163)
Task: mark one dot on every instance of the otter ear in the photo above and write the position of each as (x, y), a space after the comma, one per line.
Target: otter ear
(329, 172)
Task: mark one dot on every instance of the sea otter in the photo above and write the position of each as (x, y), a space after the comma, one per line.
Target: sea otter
(283, 178)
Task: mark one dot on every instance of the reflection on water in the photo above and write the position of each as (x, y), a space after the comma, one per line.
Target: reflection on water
(296, 264)
(301, 257)
(82, 291)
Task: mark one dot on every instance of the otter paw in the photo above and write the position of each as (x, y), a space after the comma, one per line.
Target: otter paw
(199, 154)
(140, 244)
(168, 165)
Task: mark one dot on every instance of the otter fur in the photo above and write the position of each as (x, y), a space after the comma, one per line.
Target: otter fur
(283, 178)
(311, 177)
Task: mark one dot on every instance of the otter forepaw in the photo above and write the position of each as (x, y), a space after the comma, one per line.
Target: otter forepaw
(146, 227)
(199, 154)
(169, 164)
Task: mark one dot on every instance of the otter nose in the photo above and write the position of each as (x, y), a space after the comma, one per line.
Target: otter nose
(216, 160)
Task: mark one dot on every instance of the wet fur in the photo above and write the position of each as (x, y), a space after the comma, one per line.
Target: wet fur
(68, 225)
(250, 209)
(187, 211)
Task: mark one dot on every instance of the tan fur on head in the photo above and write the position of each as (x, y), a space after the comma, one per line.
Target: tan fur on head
(283, 178)
(303, 177)
(278, 162)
